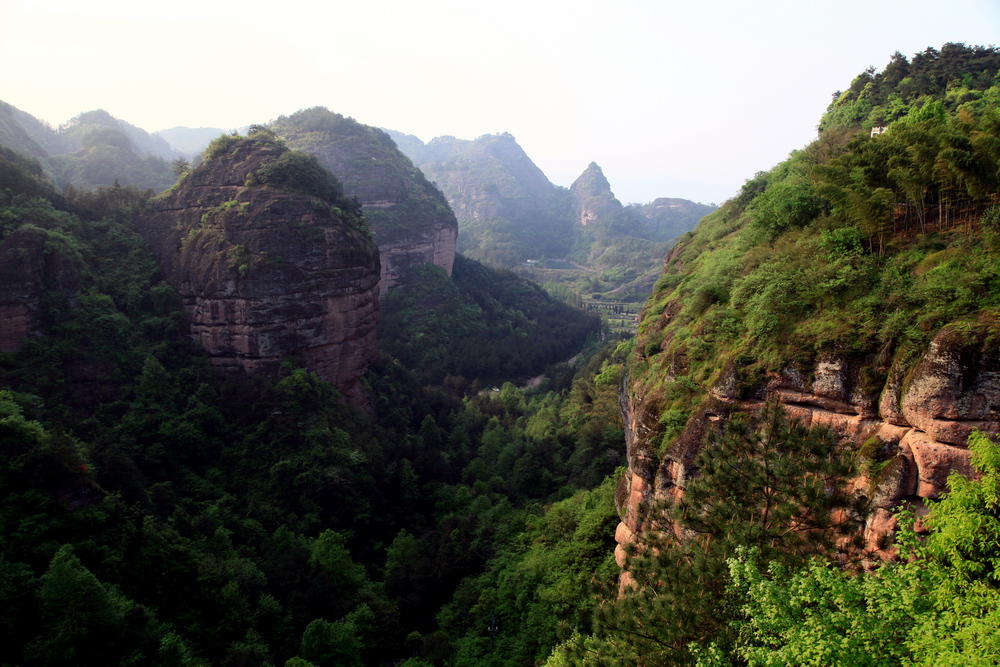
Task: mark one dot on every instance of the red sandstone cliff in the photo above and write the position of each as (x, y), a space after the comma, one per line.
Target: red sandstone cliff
(28, 268)
(915, 425)
(264, 272)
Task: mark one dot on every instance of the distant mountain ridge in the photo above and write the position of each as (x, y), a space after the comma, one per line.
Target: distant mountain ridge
(509, 212)
(189, 141)
(410, 218)
(93, 149)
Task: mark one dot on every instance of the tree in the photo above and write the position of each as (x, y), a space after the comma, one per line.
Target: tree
(940, 607)
(821, 615)
(180, 166)
(770, 483)
(962, 558)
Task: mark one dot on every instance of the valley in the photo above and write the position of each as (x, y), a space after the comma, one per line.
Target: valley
(325, 394)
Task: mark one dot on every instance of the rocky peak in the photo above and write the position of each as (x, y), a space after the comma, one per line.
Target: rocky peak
(592, 183)
(488, 177)
(594, 203)
(270, 260)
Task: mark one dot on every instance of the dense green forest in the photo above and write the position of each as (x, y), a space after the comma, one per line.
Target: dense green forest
(861, 246)
(155, 512)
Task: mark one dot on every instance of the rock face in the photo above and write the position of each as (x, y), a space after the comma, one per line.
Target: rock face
(410, 218)
(594, 203)
(508, 210)
(913, 430)
(265, 273)
(497, 193)
(28, 269)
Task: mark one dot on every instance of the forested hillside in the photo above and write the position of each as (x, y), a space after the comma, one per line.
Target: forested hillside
(794, 462)
(157, 511)
(91, 150)
(816, 366)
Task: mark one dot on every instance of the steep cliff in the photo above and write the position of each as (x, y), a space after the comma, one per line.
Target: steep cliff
(32, 265)
(837, 284)
(594, 204)
(508, 210)
(410, 219)
(270, 261)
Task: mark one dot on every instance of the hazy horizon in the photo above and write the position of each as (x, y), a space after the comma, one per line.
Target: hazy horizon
(670, 99)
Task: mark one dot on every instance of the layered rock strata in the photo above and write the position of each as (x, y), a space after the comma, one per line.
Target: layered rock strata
(265, 273)
(914, 426)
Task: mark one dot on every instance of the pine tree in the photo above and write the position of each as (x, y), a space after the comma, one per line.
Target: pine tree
(769, 483)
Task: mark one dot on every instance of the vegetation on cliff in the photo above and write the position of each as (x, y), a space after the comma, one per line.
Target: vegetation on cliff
(858, 245)
(400, 202)
(861, 248)
(154, 512)
(92, 150)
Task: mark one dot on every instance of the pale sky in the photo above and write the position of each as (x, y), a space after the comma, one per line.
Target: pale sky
(673, 98)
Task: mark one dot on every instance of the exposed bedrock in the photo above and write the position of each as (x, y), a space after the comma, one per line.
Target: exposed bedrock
(918, 421)
(265, 273)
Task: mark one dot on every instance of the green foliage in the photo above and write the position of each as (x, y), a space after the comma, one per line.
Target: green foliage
(772, 485)
(370, 163)
(858, 247)
(221, 145)
(937, 608)
(948, 77)
(784, 205)
(821, 616)
(539, 589)
(482, 325)
(299, 172)
(281, 525)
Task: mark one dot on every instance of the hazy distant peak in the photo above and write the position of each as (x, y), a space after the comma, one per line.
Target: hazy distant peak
(95, 117)
(592, 182)
(189, 140)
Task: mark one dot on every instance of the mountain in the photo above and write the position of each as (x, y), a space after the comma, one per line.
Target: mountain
(409, 217)
(169, 369)
(596, 207)
(819, 351)
(510, 213)
(93, 149)
(668, 218)
(189, 141)
(24, 133)
(270, 259)
(855, 285)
